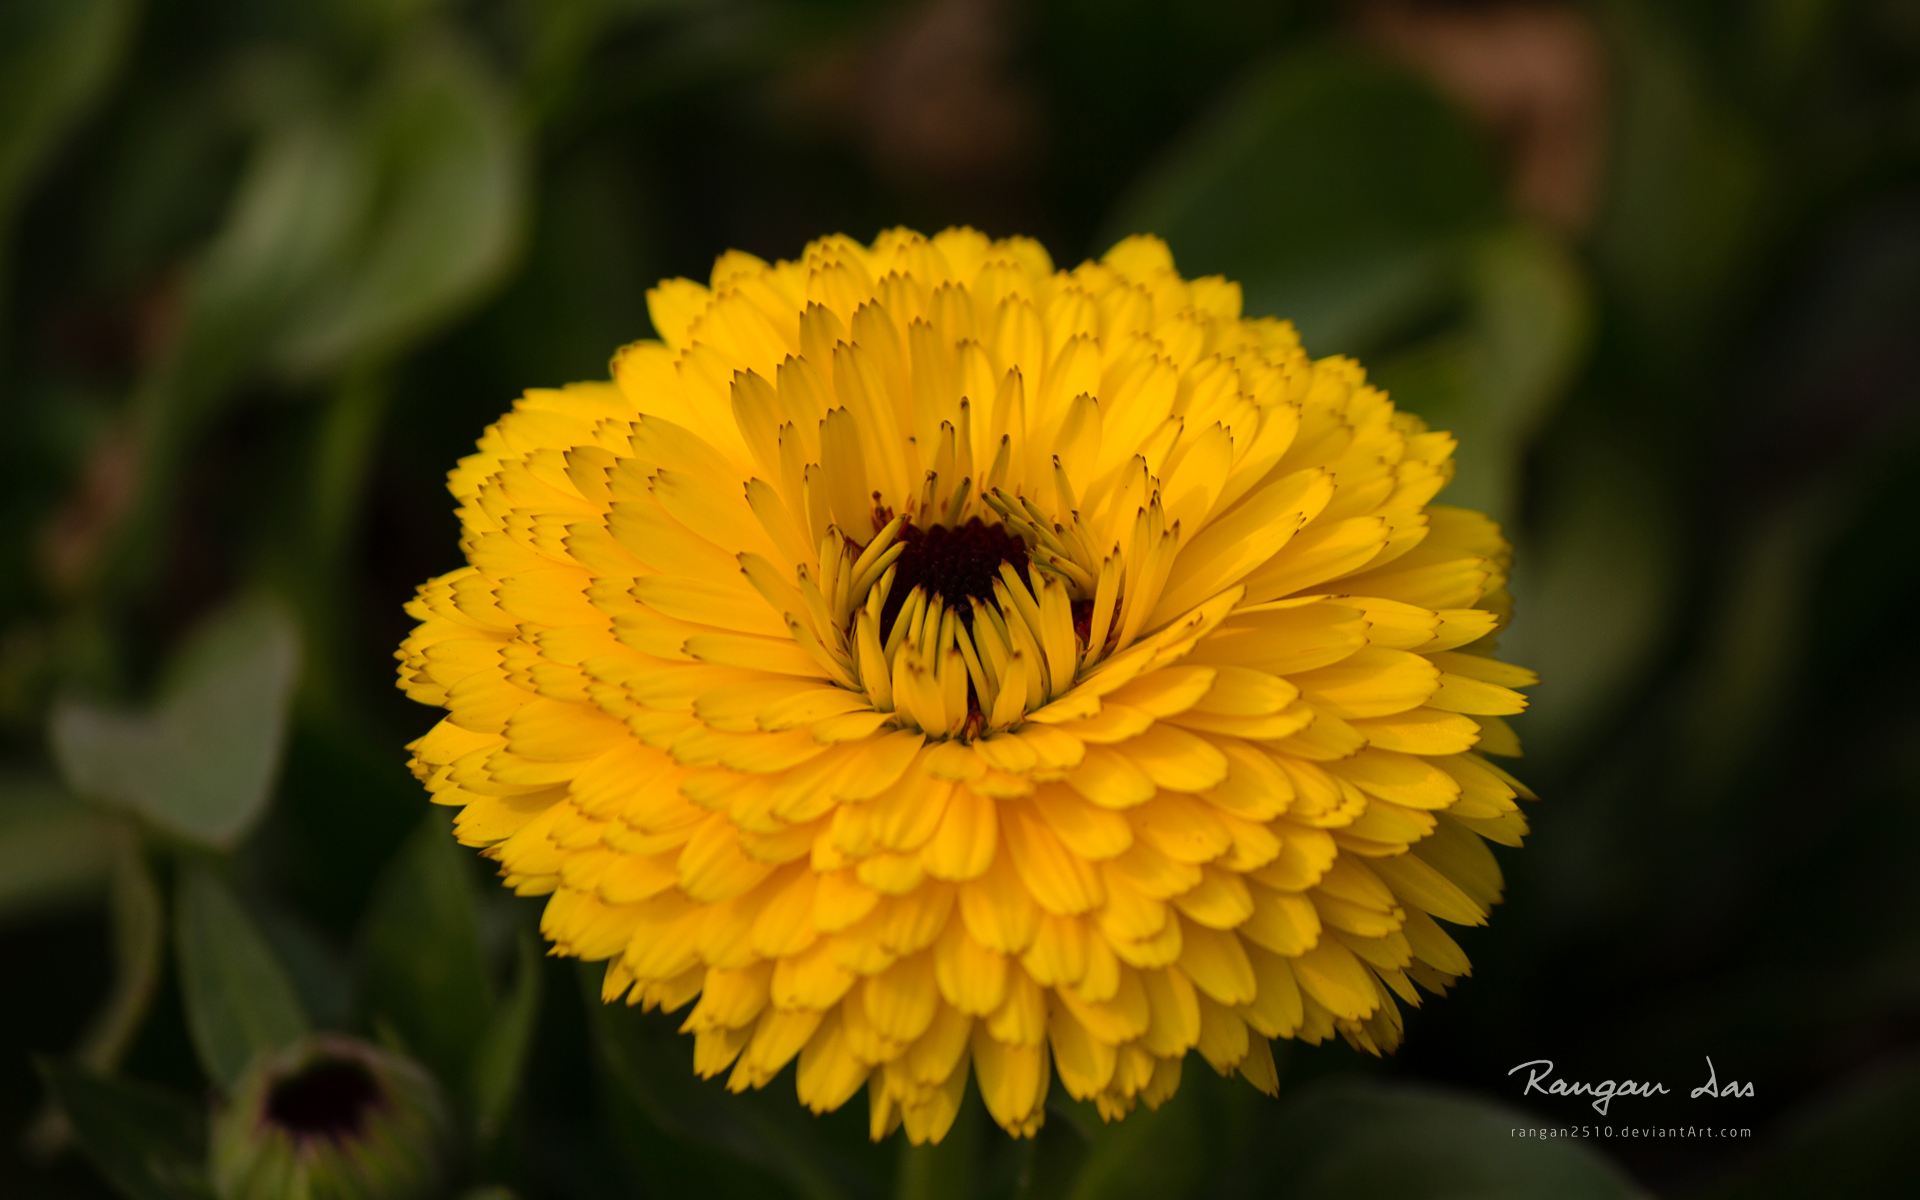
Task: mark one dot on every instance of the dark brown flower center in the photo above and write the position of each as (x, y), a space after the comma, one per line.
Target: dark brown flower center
(330, 1098)
(953, 564)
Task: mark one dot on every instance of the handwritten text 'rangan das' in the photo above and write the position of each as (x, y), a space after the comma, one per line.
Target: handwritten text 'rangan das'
(1604, 1093)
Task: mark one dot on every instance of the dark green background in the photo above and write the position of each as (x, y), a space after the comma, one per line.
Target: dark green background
(267, 268)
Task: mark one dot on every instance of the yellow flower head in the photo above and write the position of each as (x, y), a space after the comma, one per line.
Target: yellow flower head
(935, 662)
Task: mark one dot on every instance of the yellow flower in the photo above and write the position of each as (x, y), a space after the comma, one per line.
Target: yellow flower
(933, 662)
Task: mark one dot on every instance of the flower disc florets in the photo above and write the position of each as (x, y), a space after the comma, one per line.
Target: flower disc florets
(938, 664)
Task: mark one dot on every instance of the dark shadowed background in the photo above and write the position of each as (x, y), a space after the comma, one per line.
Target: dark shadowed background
(267, 268)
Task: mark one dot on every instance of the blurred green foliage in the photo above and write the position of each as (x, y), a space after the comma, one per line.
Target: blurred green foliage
(267, 269)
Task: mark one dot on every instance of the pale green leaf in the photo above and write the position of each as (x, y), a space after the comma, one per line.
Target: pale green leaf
(201, 763)
(441, 139)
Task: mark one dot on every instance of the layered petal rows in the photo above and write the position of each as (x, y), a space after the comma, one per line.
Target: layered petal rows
(929, 664)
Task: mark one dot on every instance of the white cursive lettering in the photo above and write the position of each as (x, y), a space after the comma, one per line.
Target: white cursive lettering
(1712, 1087)
(1603, 1093)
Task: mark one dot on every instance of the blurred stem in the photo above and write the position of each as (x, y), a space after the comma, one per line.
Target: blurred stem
(344, 448)
(1058, 1151)
(138, 931)
(1753, 648)
(947, 1169)
(349, 430)
(6, 298)
(166, 417)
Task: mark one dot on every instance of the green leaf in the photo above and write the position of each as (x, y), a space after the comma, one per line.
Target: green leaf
(304, 192)
(301, 197)
(1593, 588)
(502, 1056)
(357, 228)
(53, 849)
(321, 974)
(200, 764)
(1349, 1139)
(695, 1131)
(239, 1002)
(1493, 377)
(1753, 644)
(1152, 1154)
(1531, 313)
(1689, 190)
(1333, 189)
(422, 970)
(55, 58)
(149, 1143)
(441, 139)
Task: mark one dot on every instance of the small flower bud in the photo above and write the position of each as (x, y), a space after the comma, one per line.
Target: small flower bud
(331, 1118)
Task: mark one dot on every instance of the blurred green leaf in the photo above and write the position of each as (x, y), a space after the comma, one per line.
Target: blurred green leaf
(692, 1130)
(1687, 182)
(501, 1059)
(383, 18)
(1153, 1153)
(1530, 309)
(301, 197)
(52, 847)
(343, 454)
(1593, 589)
(305, 192)
(1752, 644)
(1333, 189)
(149, 1143)
(239, 1002)
(320, 973)
(443, 144)
(1348, 1139)
(422, 970)
(55, 58)
(201, 763)
(1855, 1141)
(358, 226)
(1492, 379)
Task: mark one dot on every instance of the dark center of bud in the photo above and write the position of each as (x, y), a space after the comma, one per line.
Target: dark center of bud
(329, 1098)
(951, 563)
